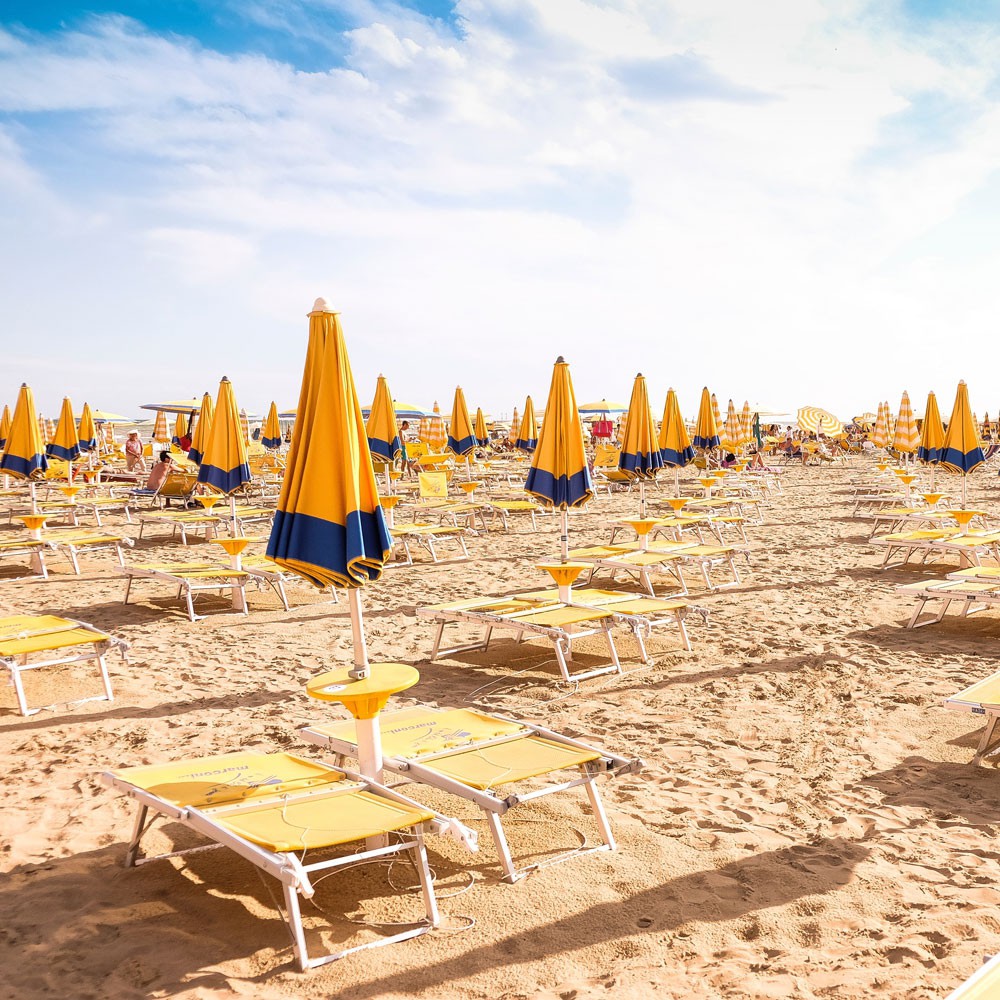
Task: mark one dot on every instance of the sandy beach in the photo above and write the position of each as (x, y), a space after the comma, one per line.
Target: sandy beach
(807, 823)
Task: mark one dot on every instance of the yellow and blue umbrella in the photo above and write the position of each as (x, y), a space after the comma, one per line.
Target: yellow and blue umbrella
(87, 432)
(906, 437)
(461, 434)
(482, 434)
(640, 456)
(675, 445)
(270, 436)
(559, 475)
(961, 450)
(515, 427)
(180, 428)
(527, 434)
(932, 433)
(202, 430)
(223, 465)
(706, 432)
(161, 434)
(65, 444)
(24, 453)
(383, 437)
(329, 526)
(4, 426)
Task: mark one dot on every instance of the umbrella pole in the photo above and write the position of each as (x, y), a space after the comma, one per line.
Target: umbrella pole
(677, 481)
(964, 488)
(468, 469)
(69, 473)
(369, 735)
(564, 535)
(34, 500)
(232, 514)
(642, 498)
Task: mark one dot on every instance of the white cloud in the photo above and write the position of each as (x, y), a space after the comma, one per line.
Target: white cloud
(704, 190)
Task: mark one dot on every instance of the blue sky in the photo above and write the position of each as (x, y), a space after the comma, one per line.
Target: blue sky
(792, 202)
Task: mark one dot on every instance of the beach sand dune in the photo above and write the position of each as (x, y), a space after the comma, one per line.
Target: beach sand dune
(807, 825)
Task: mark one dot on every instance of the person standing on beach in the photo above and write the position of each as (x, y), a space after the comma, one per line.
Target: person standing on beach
(133, 453)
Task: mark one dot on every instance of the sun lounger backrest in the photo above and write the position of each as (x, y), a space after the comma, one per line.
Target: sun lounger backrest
(433, 485)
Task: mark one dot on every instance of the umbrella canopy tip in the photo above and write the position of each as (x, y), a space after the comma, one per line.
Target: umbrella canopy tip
(560, 360)
(321, 306)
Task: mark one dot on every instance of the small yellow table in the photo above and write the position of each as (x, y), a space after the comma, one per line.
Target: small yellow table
(208, 501)
(564, 574)
(471, 487)
(642, 527)
(388, 504)
(34, 523)
(931, 499)
(677, 503)
(963, 517)
(70, 492)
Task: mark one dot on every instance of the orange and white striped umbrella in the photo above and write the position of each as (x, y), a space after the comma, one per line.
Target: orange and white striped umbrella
(716, 412)
(732, 432)
(816, 420)
(245, 425)
(109, 436)
(515, 427)
(432, 430)
(906, 436)
(43, 429)
(881, 435)
(161, 433)
(746, 422)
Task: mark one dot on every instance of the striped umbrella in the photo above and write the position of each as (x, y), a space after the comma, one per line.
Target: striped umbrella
(244, 425)
(906, 437)
(880, 436)
(432, 430)
(746, 422)
(108, 432)
(717, 413)
(515, 427)
(815, 420)
(161, 435)
(43, 429)
(706, 428)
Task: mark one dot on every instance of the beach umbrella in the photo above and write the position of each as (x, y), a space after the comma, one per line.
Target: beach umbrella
(180, 428)
(816, 420)
(106, 417)
(270, 436)
(244, 425)
(602, 407)
(559, 475)
(515, 427)
(43, 430)
(527, 435)
(482, 434)
(931, 436)
(706, 434)
(383, 437)
(329, 527)
(161, 434)
(732, 433)
(755, 431)
(224, 466)
(87, 432)
(866, 419)
(461, 434)
(881, 436)
(187, 406)
(675, 445)
(960, 450)
(432, 430)
(716, 412)
(906, 437)
(640, 456)
(4, 426)
(202, 430)
(108, 433)
(746, 423)
(65, 443)
(24, 453)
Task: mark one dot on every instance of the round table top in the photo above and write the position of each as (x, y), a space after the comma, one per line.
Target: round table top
(364, 699)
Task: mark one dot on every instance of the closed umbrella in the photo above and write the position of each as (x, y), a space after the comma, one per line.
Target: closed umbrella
(675, 445)
(224, 466)
(4, 426)
(43, 430)
(244, 425)
(906, 437)
(383, 437)
(732, 433)
(640, 456)
(482, 434)
(706, 434)
(270, 436)
(559, 475)
(717, 413)
(24, 453)
(527, 435)
(202, 430)
(432, 430)
(180, 429)
(961, 451)
(65, 444)
(746, 423)
(161, 434)
(87, 432)
(931, 436)
(515, 427)
(881, 436)
(461, 433)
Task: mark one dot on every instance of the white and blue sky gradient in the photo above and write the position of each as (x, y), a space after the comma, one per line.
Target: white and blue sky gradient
(792, 201)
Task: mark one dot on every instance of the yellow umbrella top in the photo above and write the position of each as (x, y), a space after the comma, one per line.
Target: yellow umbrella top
(717, 413)
(816, 420)
(87, 432)
(270, 436)
(640, 456)
(65, 444)
(202, 430)
(461, 433)
(932, 433)
(224, 465)
(559, 473)
(906, 437)
(24, 453)
(706, 433)
(329, 527)
(746, 423)
(527, 435)
(675, 445)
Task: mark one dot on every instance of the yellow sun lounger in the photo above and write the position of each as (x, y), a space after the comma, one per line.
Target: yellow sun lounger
(274, 810)
(32, 548)
(474, 756)
(23, 638)
(981, 985)
(426, 535)
(970, 547)
(506, 510)
(557, 623)
(182, 521)
(972, 595)
(72, 509)
(192, 578)
(981, 698)
(244, 516)
(71, 543)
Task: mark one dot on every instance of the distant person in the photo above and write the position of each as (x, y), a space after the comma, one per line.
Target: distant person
(133, 453)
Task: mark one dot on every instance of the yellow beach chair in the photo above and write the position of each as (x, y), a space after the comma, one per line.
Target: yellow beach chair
(191, 579)
(426, 535)
(480, 758)
(272, 809)
(982, 985)
(981, 698)
(25, 638)
(71, 543)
